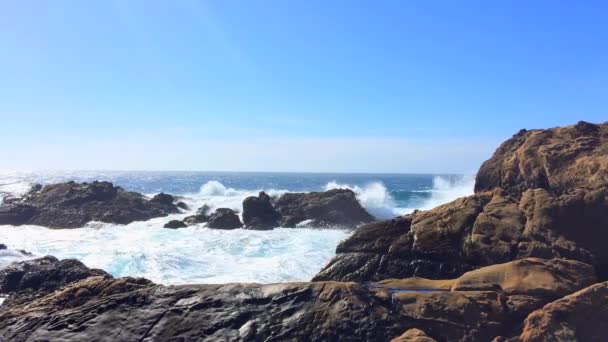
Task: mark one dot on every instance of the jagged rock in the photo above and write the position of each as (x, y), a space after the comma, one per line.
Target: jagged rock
(27, 280)
(163, 198)
(258, 213)
(135, 310)
(175, 224)
(182, 205)
(333, 208)
(201, 216)
(581, 316)
(496, 226)
(72, 205)
(224, 218)
(556, 160)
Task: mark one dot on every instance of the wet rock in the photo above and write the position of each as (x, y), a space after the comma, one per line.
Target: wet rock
(581, 316)
(72, 205)
(163, 198)
(2, 246)
(175, 224)
(201, 216)
(224, 218)
(259, 214)
(182, 205)
(333, 208)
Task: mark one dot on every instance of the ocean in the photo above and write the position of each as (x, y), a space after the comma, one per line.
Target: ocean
(200, 255)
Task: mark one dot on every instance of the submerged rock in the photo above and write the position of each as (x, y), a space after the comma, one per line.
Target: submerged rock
(556, 219)
(134, 309)
(224, 218)
(333, 208)
(258, 213)
(174, 224)
(72, 205)
(201, 216)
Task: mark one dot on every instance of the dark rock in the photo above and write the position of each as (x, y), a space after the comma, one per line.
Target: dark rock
(224, 218)
(333, 208)
(182, 205)
(204, 210)
(2, 246)
(195, 219)
(72, 205)
(201, 216)
(135, 310)
(174, 224)
(15, 213)
(258, 213)
(163, 198)
(26, 280)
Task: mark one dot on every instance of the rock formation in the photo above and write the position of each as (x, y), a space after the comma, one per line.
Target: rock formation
(224, 218)
(130, 309)
(72, 205)
(524, 206)
(581, 316)
(259, 214)
(175, 224)
(516, 261)
(333, 208)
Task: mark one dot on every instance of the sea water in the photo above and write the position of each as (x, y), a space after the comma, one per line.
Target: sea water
(201, 255)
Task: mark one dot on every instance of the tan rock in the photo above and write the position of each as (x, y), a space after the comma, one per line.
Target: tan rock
(414, 335)
(579, 317)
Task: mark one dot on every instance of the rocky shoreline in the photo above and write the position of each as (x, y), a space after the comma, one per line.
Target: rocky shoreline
(522, 259)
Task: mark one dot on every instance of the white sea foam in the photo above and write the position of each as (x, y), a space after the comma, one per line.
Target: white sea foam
(446, 190)
(201, 255)
(374, 197)
(189, 255)
(378, 201)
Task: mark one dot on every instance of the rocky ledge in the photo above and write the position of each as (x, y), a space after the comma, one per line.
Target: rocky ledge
(72, 205)
(479, 306)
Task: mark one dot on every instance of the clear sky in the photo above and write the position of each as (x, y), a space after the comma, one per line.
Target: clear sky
(361, 86)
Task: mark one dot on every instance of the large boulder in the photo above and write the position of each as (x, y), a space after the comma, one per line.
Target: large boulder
(556, 160)
(529, 218)
(258, 213)
(333, 208)
(581, 316)
(224, 218)
(136, 310)
(72, 205)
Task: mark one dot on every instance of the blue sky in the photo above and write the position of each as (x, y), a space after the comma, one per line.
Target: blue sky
(360, 86)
